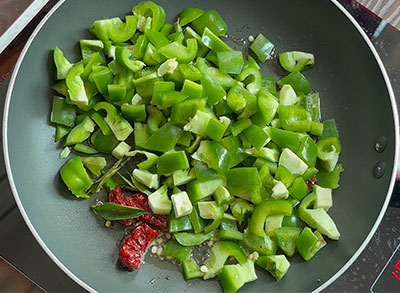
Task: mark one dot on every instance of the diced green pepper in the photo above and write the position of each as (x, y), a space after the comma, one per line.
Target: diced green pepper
(286, 238)
(149, 8)
(80, 132)
(171, 162)
(189, 14)
(296, 61)
(298, 82)
(164, 139)
(213, 21)
(95, 164)
(75, 177)
(62, 64)
(309, 243)
(262, 47)
(277, 265)
(183, 54)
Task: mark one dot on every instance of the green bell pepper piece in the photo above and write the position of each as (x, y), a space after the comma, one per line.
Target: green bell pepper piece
(298, 82)
(104, 143)
(134, 113)
(180, 52)
(277, 265)
(200, 189)
(214, 155)
(141, 134)
(164, 139)
(213, 21)
(179, 224)
(233, 277)
(80, 132)
(219, 254)
(62, 64)
(203, 172)
(240, 208)
(228, 230)
(151, 9)
(82, 148)
(328, 152)
(185, 139)
(190, 72)
(235, 149)
(61, 88)
(161, 87)
(267, 105)
(212, 90)
(176, 250)
(285, 176)
(298, 189)
(122, 55)
(264, 245)
(222, 108)
(183, 111)
(156, 38)
(189, 14)
(192, 89)
(240, 181)
(105, 129)
(262, 47)
(214, 43)
(240, 125)
(76, 87)
(222, 196)
(140, 47)
(330, 179)
(145, 85)
(61, 131)
(268, 84)
(222, 79)
(317, 218)
(296, 61)
(116, 92)
(91, 47)
(95, 164)
(230, 61)
(256, 136)
(171, 162)
(191, 269)
(102, 77)
(151, 159)
(62, 113)
(156, 118)
(119, 126)
(330, 129)
(211, 210)
(192, 239)
(286, 238)
(317, 128)
(236, 100)
(310, 172)
(312, 105)
(285, 139)
(166, 29)
(115, 29)
(308, 151)
(198, 223)
(265, 209)
(309, 243)
(294, 118)
(254, 76)
(75, 177)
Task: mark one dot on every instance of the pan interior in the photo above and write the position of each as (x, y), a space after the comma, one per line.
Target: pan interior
(352, 91)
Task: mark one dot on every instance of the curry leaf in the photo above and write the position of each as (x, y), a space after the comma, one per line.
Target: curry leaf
(112, 211)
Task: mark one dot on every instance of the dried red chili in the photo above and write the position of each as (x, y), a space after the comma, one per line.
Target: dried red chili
(134, 246)
(138, 200)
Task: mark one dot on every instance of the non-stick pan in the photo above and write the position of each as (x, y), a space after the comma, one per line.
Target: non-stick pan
(354, 89)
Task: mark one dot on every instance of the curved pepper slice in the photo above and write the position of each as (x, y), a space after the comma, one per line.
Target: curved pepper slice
(317, 218)
(180, 52)
(122, 56)
(265, 209)
(214, 155)
(192, 239)
(76, 87)
(62, 64)
(115, 29)
(151, 9)
(75, 177)
(189, 14)
(119, 126)
(213, 42)
(80, 132)
(255, 76)
(222, 79)
(219, 254)
(213, 21)
(309, 243)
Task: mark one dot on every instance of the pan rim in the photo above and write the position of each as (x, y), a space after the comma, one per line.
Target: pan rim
(89, 288)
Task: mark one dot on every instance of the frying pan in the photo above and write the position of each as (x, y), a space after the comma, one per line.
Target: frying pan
(354, 90)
